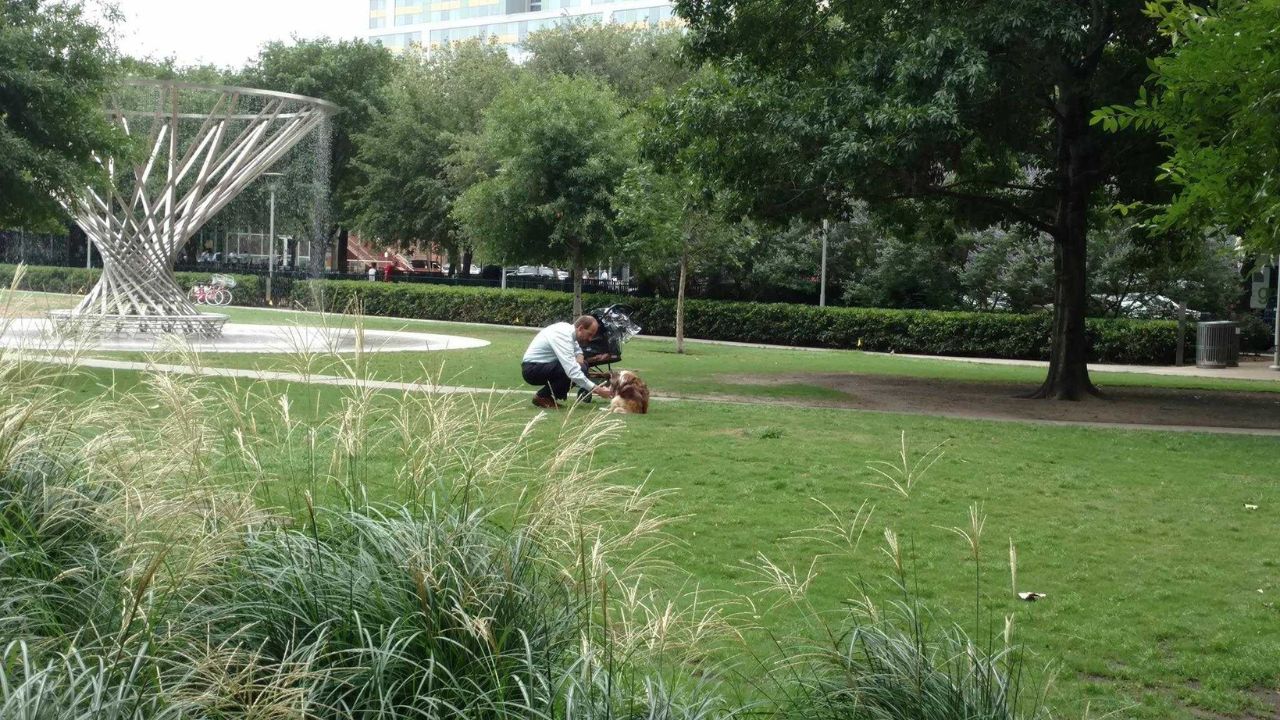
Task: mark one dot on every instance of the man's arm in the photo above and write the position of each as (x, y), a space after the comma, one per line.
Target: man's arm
(570, 357)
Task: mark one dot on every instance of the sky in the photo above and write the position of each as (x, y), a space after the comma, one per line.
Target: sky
(229, 32)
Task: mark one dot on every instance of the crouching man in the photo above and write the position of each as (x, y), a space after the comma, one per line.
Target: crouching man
(554, 361)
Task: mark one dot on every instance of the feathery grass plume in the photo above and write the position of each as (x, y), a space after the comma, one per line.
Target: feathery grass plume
(973, 534)
(313, 349)
(1013, 567)
(789, 585)
(903, 475)
(894, 550)
(842, 534)
(973, 538)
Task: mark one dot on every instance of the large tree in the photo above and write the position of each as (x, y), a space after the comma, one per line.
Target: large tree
(980, 107)
(558, 147)
(55, 68)
(407, 154)
(354, 76)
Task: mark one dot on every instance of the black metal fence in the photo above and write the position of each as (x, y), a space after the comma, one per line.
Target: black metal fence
(19, 246)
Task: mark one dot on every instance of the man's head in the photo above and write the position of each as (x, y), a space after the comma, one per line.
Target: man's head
(584, 328)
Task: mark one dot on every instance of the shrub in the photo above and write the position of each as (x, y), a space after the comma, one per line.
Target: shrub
(925, 332)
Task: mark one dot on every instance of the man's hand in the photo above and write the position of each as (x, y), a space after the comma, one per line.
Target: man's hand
(603, 391)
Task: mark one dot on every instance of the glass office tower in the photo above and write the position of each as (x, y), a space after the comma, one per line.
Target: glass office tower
(398, 24)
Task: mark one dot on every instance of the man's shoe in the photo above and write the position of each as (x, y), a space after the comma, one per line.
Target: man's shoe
(545, 402)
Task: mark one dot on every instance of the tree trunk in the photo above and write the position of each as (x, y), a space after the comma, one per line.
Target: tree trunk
(577, 282)
(466, 261)
(1068, 377)
(317, 249)
(684, 275)
(340, 252)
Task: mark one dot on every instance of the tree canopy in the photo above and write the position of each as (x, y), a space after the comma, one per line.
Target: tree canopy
(982, 112)
(55, 68)
(558, 146)
(351, 74)
(406, 154)
(1216, 103)
(636, 64)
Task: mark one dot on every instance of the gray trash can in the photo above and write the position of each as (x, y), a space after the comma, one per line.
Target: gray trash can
(1217, 344)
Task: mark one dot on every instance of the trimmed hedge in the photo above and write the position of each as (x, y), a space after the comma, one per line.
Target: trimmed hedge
(925, 332)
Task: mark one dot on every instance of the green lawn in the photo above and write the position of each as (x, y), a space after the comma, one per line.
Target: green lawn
(1161, 585)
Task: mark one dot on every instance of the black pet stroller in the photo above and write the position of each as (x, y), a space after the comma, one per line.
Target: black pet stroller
(605, 349)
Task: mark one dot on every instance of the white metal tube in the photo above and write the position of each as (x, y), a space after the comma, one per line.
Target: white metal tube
(271, 244)
(1275, 362)
(822, 288)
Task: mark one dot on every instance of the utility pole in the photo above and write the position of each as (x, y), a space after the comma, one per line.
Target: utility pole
(822, 287)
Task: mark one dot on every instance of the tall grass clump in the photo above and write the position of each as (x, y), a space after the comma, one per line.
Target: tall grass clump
(204, 549)
(887, 654)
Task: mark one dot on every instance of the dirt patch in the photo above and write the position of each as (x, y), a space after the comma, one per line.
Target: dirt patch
(1005, 401)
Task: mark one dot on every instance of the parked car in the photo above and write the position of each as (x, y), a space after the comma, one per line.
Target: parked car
(538, 271)
(1146, 307)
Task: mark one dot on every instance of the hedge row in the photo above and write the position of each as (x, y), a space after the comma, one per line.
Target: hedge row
(927, 332)
(998, 335)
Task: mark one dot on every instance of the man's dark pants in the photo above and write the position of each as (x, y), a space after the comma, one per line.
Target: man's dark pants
(550, 375)
(553, 379)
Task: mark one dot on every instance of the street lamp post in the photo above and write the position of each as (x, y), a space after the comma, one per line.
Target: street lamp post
(271, 234)
(1275, 362)
(822, 288)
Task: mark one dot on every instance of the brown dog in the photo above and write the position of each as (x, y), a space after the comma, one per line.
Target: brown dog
(630, 394)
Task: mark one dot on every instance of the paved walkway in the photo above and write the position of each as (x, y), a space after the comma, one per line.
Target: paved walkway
(268, 375)
(1250, 369)
(413, 387)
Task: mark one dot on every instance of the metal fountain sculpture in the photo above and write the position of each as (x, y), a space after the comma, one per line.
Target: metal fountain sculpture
(205, 145)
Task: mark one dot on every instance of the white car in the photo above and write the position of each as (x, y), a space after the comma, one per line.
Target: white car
(538, 271)
(1152, 307)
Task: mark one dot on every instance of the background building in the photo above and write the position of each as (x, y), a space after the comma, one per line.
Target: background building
(398, 24)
